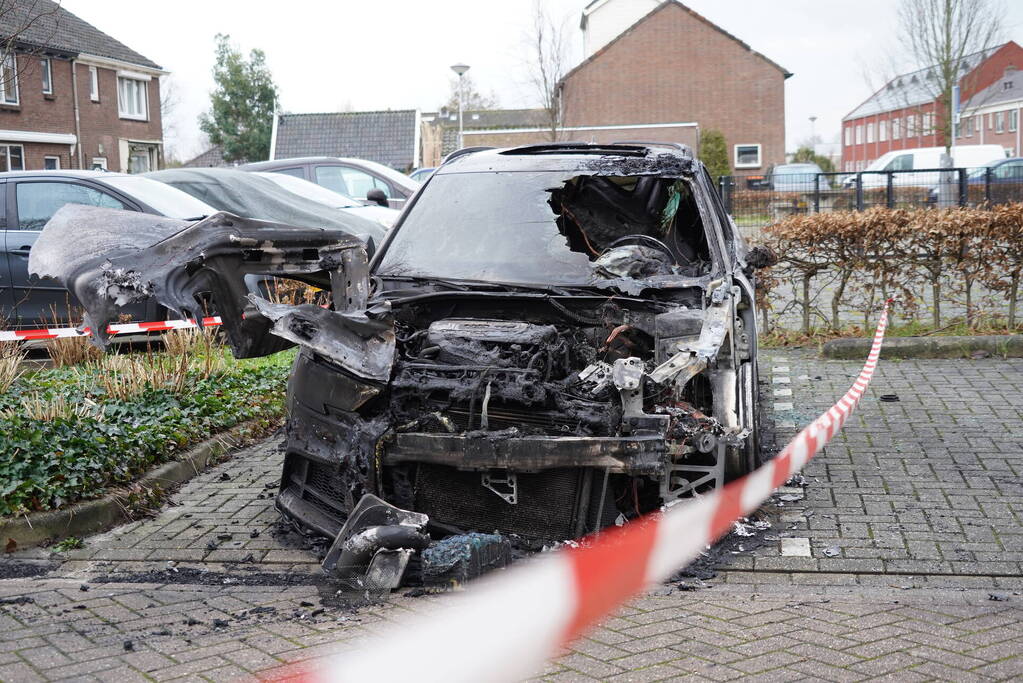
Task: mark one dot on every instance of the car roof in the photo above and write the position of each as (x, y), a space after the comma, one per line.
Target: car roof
(296, 161)
(61, 173)
(611, 159)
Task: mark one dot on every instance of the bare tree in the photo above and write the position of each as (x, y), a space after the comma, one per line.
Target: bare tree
(26, 26)
(939, 35)
(170, 98)
(474, 99)
(547, 52)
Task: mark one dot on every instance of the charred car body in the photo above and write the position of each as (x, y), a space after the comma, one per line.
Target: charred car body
(550, 339)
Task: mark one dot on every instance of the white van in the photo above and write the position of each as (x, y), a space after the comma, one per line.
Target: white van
(924, 158)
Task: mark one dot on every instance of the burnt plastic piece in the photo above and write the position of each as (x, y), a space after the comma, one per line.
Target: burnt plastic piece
(458, 559)
(373, 547)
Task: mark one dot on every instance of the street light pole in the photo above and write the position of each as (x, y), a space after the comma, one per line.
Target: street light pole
(460, 69)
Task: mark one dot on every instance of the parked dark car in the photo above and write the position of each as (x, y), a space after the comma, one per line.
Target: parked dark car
(570, 344)
(32, 197)
(356, 178)
(1002, 180)
(254, 196)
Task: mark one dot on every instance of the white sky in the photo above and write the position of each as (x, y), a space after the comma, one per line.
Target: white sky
(396, 54)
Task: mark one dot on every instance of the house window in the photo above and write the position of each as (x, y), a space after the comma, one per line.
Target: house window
(848, 135)
(131, 98)
(870, 132)
(910, 125)
(859, 134)
(47, 71)
(1000, 122)
(896, 128)
(882, 130)
(966, 127)
(990, 121)
(9, 81)
(51, 163)
(1013, 120)
(98, 164)
(747, 156)
(12, 158)
(93, 84)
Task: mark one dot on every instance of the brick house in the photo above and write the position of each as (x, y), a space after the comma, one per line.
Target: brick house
(992, 115)
(656, 71)
(906, 114)
(73, 97)
(668, 75)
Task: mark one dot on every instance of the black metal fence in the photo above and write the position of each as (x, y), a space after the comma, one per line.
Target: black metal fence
(755, 201)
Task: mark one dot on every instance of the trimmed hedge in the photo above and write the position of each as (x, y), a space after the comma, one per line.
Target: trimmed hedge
(866, 256)
(95, 442)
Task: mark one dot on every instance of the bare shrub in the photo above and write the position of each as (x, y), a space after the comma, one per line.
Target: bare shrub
(65, 351)
(11, 357)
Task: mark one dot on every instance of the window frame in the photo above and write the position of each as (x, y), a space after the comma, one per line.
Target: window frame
(859, 134)
(882, 130)
(46, 69)
(897, 128)
(141, 96)
(1000, 122)
(93, 84)
(1013, 120)
(848, 135)
(760, 155)
(7, 155)
(14, 207)
(14, 79)
(870, 132)
(55, 158)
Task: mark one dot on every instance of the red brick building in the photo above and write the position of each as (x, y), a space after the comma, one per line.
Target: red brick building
(671, 74)
(656, 71)
(73, 97)
(905, 113)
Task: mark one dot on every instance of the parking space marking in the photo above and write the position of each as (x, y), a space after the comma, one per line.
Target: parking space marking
(782, 392)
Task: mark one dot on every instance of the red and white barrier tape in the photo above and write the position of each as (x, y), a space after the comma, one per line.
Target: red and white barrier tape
(508, 625)
(120, 328)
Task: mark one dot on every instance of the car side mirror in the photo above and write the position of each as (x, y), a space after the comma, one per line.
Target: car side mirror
(377, 196)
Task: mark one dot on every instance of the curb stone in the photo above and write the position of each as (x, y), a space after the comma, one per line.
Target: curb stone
(109, 510)
(998, 345)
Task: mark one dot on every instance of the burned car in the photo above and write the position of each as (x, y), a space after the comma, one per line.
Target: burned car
(552, 339)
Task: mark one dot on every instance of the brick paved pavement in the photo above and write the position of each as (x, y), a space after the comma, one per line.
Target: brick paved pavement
(912, 518)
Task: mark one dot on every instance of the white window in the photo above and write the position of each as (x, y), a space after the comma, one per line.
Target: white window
(896, 128)
(51, 163)
(929, 124)
(1000, 122)
(131, 99)
(966, 127)
(9, 81)
(859, 134)
(12, 157)
(98, 164)
(1013, 120)
(747, 156)
(47, 71)
(93, 84)
(870, 132)
(990, 121)
(848, 136)
(882, 130)
(910, 125)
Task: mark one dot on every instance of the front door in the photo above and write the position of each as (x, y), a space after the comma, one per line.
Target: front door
(30, 204)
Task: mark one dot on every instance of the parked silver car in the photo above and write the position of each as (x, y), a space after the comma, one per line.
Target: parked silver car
(364, 180)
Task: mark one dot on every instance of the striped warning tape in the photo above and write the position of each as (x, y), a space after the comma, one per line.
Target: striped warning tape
(120, 328)
(507, 626)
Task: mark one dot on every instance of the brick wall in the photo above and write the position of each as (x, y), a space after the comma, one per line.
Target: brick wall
(674, 66)
(54, 113)
(685, 135)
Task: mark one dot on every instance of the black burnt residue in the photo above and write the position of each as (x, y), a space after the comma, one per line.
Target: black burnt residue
(652, 164)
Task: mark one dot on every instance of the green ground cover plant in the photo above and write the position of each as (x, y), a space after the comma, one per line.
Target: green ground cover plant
(73, 432)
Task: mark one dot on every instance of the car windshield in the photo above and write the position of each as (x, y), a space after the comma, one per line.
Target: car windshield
(168, 201)
(979, 172)
(544, 227)
(797, 169)
(312, 191)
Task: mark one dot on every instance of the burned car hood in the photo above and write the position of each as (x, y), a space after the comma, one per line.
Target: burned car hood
(111, 258)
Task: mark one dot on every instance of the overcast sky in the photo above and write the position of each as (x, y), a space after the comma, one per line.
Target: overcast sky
(395, 54)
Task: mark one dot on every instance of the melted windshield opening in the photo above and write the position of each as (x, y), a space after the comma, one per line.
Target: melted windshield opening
(550, 227)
